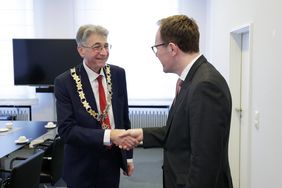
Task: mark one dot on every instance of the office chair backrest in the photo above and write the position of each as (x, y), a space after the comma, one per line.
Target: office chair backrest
(52, 168)
(27, 173)
(57, 160)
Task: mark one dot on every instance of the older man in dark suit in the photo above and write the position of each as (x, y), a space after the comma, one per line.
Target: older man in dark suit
(91, 106)
(195, 138)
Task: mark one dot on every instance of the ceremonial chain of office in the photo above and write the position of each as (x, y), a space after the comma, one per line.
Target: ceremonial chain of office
(81, 94)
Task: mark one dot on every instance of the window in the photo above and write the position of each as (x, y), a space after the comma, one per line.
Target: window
(132, 33)
(16, 20)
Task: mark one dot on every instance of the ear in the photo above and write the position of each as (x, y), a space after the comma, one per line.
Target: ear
(173, 48)
(81, 51)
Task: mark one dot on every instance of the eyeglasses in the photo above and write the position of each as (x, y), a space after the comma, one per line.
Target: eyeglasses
(155, 47)
(98, 47)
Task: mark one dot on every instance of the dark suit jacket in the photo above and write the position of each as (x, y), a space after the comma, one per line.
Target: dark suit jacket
(82, 134)
(195, 138)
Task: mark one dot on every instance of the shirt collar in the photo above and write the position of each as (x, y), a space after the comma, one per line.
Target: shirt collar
(187, 68)
(91, 74)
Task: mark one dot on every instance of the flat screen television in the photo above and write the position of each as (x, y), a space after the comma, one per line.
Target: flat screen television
(37, 62)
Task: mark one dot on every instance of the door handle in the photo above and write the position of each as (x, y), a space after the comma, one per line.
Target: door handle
(238, 110)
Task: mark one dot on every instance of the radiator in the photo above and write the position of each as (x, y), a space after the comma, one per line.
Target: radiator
(140, 116)
(148, 116)
(15, 113)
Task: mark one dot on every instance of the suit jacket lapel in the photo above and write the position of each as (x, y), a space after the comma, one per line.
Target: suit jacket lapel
(89, 95)
(114, 101)
(188, 80)
(184, 90)
(193, 70)
(170, 118)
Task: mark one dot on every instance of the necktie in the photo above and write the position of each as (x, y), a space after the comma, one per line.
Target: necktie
(178, 86)
(177, 89)
(102, 99)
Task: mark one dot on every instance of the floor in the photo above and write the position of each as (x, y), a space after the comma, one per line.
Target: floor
(147, 174)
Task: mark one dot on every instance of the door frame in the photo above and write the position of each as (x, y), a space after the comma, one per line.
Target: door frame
(240, 136)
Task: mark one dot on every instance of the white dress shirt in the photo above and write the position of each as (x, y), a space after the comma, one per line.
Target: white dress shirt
(94, 85)
(187, 68)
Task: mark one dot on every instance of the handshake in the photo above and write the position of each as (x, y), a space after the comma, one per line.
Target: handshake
(126, 139)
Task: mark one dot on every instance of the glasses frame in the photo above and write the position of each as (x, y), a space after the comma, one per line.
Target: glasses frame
(155, 47)
(98, 47)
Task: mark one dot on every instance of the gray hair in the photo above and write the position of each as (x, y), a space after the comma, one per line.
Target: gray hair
(86, 30)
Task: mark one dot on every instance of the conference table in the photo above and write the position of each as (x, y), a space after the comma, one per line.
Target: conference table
(30, 129)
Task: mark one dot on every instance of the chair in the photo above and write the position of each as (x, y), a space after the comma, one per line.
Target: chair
(52, 165)
(25, 173)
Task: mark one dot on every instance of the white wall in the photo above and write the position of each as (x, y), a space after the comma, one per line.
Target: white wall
(16, 20)
(54, 19)
(198, 10)
(132, 27)
(266, 152)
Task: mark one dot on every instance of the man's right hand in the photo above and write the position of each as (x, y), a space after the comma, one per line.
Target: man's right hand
(123, 139)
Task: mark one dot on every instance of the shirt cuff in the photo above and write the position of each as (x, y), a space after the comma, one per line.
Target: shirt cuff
(107, 137)
(129, 160)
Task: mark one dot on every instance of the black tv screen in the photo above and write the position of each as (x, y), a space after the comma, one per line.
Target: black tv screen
(38, 61)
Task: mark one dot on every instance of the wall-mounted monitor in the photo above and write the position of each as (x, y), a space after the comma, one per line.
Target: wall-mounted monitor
(38, 61)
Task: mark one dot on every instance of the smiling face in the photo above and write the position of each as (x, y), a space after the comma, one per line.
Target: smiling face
(95, 51)
(164, 54)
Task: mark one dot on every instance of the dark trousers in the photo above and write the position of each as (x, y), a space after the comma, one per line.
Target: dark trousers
(107, 173)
